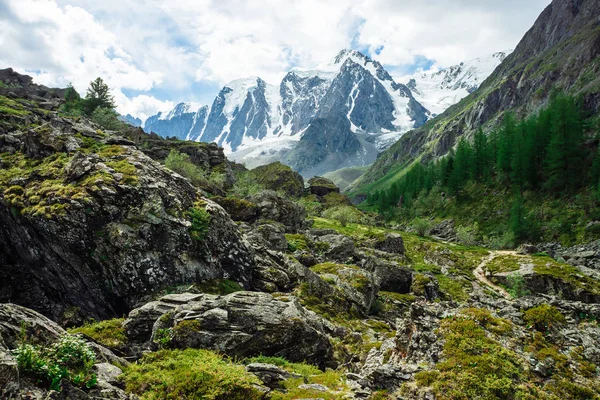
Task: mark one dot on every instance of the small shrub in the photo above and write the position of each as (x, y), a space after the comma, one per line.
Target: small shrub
(108, 119)
(69, 358)
(200, 219)
(180, 163)
(190, 374)
(467, 235)
(422, 226)
(543, 317)
(343, 214)
(516, 285)
(501, 242)
(163, 337)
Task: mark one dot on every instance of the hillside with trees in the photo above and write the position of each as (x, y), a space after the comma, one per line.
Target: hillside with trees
(521, 179)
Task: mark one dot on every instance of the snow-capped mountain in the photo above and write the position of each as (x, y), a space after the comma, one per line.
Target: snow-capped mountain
(176, 123)
(131, 120)
(438, 89)
(352, 97)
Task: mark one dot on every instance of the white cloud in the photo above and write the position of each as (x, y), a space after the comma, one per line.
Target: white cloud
(141, 106)
(447, 32)
(160, 48)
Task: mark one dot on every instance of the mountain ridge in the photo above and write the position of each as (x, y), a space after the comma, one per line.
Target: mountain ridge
(560, 51)
(253, 120)
(258, 123)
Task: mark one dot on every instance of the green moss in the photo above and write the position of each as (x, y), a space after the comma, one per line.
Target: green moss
(334, 380)
(296, 242)
(189, 374)
(566, 389)
(90, 145)
(333, 307)
(457, 288)
(331, 268)
(46, 194)
(543, 317)
(419, 283)
(12, 107)
(219, 286)
(278, 177)
(186, 328)
(427, 378)
(566, 273)
(279, 361)
(356, 278)
(403, 298)
(128, 170)
(335, 199)
(474, 366)
(111, 151)
(320, 247)
(502, 264)
(109, 333)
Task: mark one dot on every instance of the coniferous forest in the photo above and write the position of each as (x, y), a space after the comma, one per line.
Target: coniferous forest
(544, 160)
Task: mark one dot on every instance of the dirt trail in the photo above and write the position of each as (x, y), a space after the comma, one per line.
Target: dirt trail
(480, 275)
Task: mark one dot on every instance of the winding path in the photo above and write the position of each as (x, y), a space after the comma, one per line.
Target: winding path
(480, 274)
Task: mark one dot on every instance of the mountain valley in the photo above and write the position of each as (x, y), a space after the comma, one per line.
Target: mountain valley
(343, 235)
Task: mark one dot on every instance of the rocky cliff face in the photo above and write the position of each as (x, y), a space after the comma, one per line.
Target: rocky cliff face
(560, 51)
(90, 222)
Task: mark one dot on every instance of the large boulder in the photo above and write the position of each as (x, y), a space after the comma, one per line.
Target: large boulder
(391, 243)
(331, 244)
(279, 177)
(392, 277)
(241, 324)
(238, 209)
(275, 208)
(322, 186)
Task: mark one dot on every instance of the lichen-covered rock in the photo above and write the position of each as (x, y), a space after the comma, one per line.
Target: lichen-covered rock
(238, 209)
(331, 244)
(241, 324)
(391, 243)
(279, 177)
(322, 186)
(274, 208)
(270, 375)
(91, 222)
(273, 236)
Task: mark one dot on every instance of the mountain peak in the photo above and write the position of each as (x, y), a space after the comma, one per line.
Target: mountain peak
(344, 54)
(245, 84)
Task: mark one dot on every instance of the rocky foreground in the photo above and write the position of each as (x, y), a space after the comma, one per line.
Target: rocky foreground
(244, 284)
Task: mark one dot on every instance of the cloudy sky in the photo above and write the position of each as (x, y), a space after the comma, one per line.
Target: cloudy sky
(155, 53)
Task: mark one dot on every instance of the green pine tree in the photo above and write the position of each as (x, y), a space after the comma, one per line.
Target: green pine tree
(98, 95)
